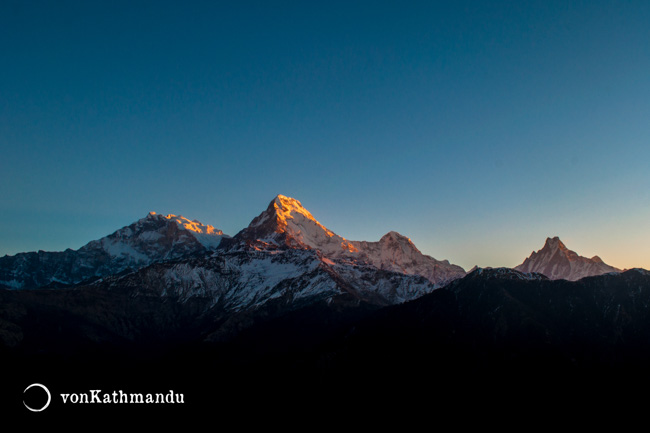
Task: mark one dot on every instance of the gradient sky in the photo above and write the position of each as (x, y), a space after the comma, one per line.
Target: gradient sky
(475, 128)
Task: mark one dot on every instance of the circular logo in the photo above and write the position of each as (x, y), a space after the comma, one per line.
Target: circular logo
(47, 391)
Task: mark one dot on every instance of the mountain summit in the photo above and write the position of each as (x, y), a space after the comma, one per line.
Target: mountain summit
(395, 252)
(287, 224)
(151, 239)
(556, 262)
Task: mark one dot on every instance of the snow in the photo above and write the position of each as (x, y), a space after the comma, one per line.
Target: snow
(556, 261)
(209, 241)
(207, 235)
(238, 281)
(150, 236)
(392, 252)
(398, 253)
(509, 273)
(393, 287)
(121, 249)
(270, 272)
(300, 225)
(241, 281)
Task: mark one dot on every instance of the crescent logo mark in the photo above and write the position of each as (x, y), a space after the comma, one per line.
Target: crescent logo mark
(49, 397)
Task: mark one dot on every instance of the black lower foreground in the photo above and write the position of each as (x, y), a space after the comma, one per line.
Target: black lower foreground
(483, 351)
(374, 386)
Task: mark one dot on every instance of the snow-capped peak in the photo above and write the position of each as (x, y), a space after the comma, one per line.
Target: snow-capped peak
(286, 222)
(206, 235)
(194, 225)
(556, 261)
(287, 208)
(151, 239)
(393, 237)
(396, 252)
(555, 243)
(160, 236)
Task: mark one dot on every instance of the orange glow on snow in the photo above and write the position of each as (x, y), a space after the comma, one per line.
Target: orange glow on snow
(193, 225)
(285, 206)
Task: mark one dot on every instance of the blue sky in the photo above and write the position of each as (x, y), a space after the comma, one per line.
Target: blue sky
(475, 128)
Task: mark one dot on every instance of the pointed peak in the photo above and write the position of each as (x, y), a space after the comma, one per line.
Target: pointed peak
(287, 222)
(393, 239)
(554, 243)
(283, 198)
(288, 204)
(286, 207)
(556, 261)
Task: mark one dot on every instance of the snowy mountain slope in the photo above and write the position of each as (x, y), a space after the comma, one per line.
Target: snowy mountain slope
(556, 261)
(148, 240)
(397, 253)
(286, 223)
(232, 290)
(211, 297)
(245, 280)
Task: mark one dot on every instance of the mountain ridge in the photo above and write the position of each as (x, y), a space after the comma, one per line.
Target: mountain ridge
(148, 240)
(286, 223)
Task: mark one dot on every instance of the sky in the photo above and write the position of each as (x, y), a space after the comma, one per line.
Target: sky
(475, 128)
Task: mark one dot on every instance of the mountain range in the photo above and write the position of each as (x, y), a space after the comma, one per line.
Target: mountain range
(284, 224)
(286, 304)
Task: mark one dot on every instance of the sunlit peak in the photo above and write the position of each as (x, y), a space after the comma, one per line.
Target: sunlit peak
(194, 226)
(290, 212)
(286, 206)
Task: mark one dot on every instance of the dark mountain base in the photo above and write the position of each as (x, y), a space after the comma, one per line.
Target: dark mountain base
(491, 349)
